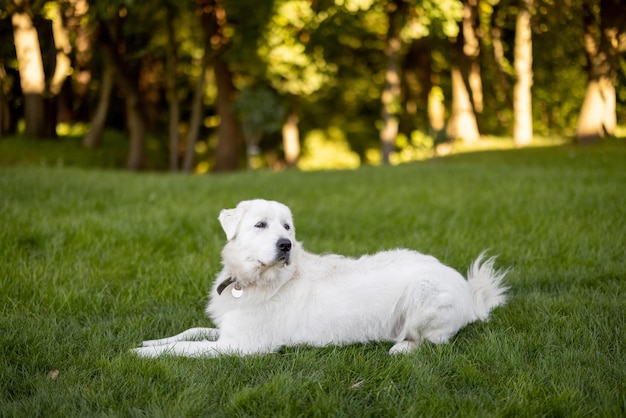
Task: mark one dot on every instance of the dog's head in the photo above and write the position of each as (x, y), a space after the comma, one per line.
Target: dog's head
(261, 239)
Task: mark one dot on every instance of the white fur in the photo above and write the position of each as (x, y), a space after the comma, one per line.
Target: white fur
(400, 295)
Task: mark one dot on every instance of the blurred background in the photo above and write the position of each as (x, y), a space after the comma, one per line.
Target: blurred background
(222, 85)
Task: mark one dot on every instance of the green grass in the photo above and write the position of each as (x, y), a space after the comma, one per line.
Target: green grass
(93, 261)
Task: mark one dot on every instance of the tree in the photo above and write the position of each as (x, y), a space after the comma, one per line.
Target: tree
(171, 60)
(213, 21)
(63, 48)
(127, 77)
(417, 82)
(80, 28)
(125, 32)
(291, 135)
(293, 62)
(42, 47)
(93, 137)
(603, 43)
(5, 111)
(390, 97)
(522, 99)
(32, 77)
(230, 143)
(372, 70)
(465, 76)
(502, 67)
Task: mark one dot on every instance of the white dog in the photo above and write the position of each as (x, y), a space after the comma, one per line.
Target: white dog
(272, 293)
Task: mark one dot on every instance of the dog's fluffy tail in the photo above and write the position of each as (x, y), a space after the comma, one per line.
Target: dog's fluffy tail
(486, 287)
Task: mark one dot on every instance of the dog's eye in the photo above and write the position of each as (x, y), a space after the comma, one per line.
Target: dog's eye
(287, 227)
(261, 225)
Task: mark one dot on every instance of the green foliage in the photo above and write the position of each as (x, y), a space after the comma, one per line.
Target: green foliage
(566, 72)
(245, 30)
(93, 262)
(293, 66)
(428, 17)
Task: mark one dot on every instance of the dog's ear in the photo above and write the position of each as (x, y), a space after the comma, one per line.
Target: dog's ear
(229, 219)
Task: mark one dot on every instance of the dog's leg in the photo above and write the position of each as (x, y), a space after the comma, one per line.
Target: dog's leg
(191, 334)
(188, 349)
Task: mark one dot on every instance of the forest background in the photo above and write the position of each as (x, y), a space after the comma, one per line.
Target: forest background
(218, 85)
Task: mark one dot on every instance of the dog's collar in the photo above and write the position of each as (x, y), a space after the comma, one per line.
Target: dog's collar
(224, 285)
(237, 291)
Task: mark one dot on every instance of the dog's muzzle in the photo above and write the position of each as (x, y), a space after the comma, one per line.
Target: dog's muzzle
(283, 245)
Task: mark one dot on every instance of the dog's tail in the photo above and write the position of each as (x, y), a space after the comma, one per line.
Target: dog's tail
(486, 287)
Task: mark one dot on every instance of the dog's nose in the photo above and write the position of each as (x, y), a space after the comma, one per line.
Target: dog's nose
(284, 245)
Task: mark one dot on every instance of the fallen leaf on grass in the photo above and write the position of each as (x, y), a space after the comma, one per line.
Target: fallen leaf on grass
(357, 384)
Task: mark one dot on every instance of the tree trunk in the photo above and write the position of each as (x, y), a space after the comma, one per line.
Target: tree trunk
(150, 85)
(502, 85)
(390, 98)
(466, 80)
(63, 49)
(6, 120)
(523, 61)
(82, 57)
(137, 129)
(598, 112)
(230, 140)
(93, 137)
(172, 99)
(471, 50)
(417, 83)
(291, 138)
(436, 111)
(32, 77)
(197, 111)
(212, 20)
(462, 123)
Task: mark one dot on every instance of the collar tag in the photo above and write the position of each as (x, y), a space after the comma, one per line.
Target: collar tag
(236, 291)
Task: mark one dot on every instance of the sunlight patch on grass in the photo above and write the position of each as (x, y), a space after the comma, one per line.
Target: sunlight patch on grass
(328, 151)
(491, 143)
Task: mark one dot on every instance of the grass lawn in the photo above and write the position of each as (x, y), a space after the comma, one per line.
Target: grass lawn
(92, 262)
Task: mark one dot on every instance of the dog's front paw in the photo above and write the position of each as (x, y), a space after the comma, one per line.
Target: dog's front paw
(148, 352)
(151, 343)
